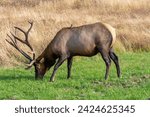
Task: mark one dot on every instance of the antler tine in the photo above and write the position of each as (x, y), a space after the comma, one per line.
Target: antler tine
(20, 30)
(31, 23)
(15, 37)
(14, 41)
(26, 37)
(14, 44)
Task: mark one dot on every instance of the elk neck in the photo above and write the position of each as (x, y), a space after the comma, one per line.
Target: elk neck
(47, 55)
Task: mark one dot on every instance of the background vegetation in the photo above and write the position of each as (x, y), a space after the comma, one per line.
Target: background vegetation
(131, 18)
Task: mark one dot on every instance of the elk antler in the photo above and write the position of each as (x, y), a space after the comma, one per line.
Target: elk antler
(13, 41)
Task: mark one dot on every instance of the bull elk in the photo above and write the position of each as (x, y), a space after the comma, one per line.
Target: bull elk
(86, 40)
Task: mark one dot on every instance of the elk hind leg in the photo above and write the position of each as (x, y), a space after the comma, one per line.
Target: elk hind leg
(106, 58)
(115, 59)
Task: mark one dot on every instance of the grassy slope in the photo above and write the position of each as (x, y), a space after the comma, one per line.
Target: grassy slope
(86, 82)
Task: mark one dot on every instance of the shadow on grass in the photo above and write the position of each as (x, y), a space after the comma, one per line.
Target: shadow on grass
(15, 74)
(19, 77)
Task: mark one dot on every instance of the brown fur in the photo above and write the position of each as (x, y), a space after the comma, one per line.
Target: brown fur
(86, 40)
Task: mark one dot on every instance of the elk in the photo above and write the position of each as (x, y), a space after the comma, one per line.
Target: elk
(85, 40)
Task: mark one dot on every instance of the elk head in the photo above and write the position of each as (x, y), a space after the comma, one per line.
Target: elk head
(40, 67)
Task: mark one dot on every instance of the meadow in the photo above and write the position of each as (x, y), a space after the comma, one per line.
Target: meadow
(129, 17)
(87, 81)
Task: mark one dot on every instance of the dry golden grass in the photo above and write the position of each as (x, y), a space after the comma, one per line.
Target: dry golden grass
(131, 18)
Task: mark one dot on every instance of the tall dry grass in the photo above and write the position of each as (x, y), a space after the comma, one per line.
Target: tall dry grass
(131, 18)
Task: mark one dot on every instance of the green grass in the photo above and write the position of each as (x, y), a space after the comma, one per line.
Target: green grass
(87, 80)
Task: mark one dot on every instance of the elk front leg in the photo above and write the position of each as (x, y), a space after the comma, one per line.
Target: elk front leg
(69, 64)
(59, 62)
